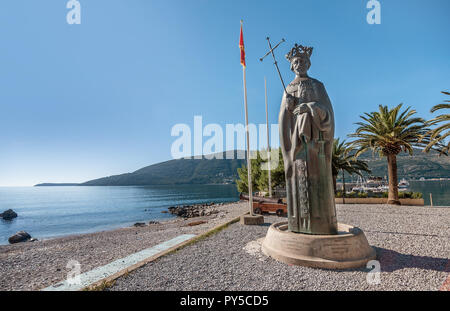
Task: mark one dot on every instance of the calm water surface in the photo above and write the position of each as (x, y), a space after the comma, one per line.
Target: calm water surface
(439, 189)
(46, 212)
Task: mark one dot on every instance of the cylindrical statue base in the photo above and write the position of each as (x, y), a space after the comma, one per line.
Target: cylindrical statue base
(347, 249)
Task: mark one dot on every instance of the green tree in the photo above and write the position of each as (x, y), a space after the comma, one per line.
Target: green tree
(242, 182)
(439, 134)
(388, 132)
(260, 177)
(276, 173)
(343, 160)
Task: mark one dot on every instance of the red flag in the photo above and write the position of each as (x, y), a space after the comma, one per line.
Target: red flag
(241, 46)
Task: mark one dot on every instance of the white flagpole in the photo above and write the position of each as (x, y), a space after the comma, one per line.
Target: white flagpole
(249, 166)
(268, 138)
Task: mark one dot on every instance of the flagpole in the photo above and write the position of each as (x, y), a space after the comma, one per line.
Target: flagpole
(249, 162)
(249, 166)
(268, 138)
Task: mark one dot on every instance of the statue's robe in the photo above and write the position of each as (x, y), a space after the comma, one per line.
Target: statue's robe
(306, 141)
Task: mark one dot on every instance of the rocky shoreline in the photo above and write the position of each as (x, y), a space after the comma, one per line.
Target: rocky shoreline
(184, 211)
(32, 266)
(195, 210)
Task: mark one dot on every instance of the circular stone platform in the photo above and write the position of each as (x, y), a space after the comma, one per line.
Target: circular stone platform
(348, 249)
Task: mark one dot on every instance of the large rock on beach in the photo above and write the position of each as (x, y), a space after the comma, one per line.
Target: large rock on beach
(196, 210)
(20, 236)
(8, 214)
(139, 224)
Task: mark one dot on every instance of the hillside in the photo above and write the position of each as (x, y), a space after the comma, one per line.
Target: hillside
(180, 171)
(203, 171)
(420, 164)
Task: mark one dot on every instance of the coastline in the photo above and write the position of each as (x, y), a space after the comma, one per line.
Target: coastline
(420, 257)
(410, 259)
(33, 266)
(53, 212)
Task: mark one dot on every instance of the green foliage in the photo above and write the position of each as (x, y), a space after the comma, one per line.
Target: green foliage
(180, 171)
(417, 195)
(410, 195)
(352, 194)
(344, 160)
(420, 164)
(442, 131)
(389, 131)
(260, 176)
(242, 182)
(277, 173)
(219, 171)
(401, 195)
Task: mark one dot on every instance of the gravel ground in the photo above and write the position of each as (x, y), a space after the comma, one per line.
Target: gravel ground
(33, 266)
(412, 245)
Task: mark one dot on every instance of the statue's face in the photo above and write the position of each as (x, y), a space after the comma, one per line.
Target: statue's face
(300, 65)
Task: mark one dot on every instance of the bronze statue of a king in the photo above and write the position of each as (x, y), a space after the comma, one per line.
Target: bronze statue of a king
(306, 124)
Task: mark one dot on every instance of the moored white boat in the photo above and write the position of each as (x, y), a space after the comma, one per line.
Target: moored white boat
(403, 184)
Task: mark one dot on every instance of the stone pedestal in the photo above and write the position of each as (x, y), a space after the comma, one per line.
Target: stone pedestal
(252, 219)
(347, 249)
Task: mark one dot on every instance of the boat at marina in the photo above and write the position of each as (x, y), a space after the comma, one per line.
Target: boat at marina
(403, 184)
(377, 184)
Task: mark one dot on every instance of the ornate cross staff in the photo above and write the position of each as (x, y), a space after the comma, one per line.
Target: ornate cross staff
(275, 60)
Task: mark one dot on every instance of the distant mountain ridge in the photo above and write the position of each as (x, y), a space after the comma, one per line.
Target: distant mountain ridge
(420, 164)
(179, 171)
(223, 171)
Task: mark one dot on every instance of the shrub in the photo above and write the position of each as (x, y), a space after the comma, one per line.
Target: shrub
(417, 195)
(352, 194)
(401, 195)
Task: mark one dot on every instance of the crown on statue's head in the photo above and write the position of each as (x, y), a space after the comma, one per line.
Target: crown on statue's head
(299, 51)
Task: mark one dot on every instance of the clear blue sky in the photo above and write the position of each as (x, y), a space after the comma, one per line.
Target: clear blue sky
(85, 101)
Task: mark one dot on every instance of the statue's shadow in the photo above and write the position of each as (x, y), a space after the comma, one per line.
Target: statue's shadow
(391, 260)
(266, 224)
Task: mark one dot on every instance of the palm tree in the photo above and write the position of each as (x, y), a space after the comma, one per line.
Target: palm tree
(440, 133)
(389, 131)
(343, 160)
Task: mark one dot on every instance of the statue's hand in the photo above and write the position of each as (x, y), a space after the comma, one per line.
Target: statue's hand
(302, 108)
(291, 102)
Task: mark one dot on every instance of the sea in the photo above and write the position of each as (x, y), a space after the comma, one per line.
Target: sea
(48, 212)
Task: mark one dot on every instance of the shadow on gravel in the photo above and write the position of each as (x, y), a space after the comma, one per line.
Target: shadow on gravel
(391, 261)
(404, 233)
(266, 224)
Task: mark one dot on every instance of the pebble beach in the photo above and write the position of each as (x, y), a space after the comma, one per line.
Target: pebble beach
(36, 265)
(412, 245)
